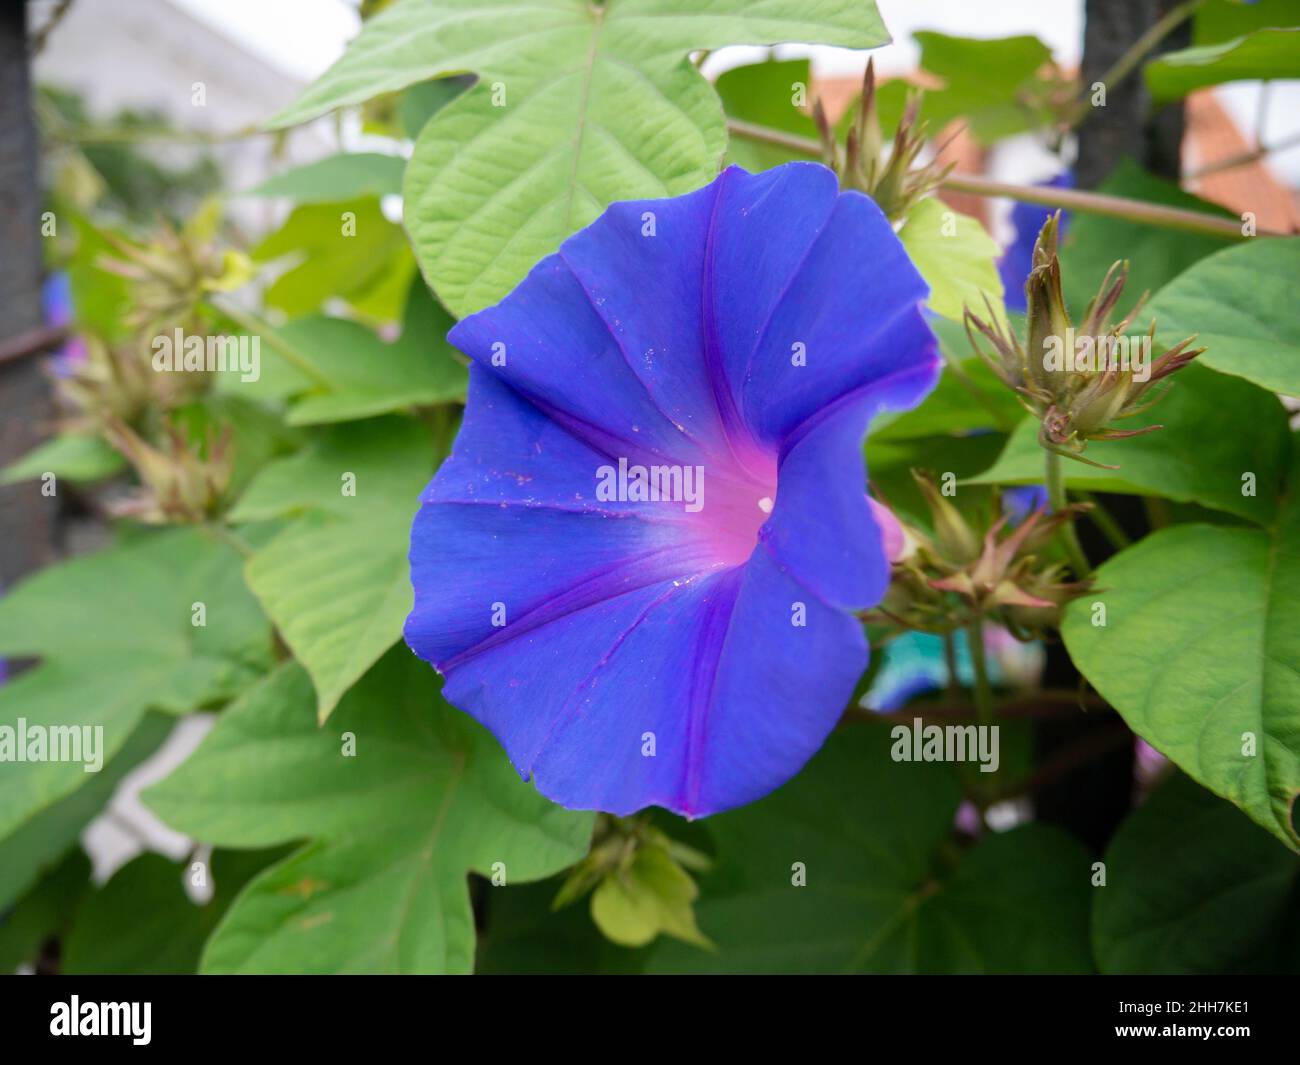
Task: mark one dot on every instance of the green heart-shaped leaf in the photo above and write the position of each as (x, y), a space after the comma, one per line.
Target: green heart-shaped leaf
(577, 105)
(402, 796)
(1200, 652)
(1239, 303)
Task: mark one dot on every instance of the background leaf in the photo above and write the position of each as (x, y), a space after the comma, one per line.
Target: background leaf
(988, 84)
(346, 176)
(418, 39)
(882, 891)
(1259, 56)
(43, 840)
(76, 456)
(1222, 20)
(524, 935)
(391, 457)
(45, 912)
(133, 648)
(1238, 302)
(1193, 887)
(338, 591)
(957, 258)
(577, 105)
(764, 93)
(422, 101)
(1155, 254)
(1200, 649)
(336, 582)
(890, 463)
(353, 373)
(345, 250)
(428, 797)
(142, 922)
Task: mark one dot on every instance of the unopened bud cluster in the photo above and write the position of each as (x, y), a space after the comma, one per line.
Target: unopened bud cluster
(1077, 383)
(956, 572)
(115, 391)
(180, 480)
(639, 880)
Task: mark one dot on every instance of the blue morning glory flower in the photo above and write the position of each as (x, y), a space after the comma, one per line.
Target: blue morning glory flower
(640, 565)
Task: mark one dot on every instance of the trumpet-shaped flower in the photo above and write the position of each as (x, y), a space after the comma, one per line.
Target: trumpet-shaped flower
(641, 564)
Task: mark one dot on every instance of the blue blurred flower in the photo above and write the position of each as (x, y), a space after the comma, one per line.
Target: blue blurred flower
(627, 651)
(1027, 219)
(1021, 501)
(915, 664)
(56, 301)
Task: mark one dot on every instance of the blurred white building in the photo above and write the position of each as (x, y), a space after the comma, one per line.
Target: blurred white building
(155, 54)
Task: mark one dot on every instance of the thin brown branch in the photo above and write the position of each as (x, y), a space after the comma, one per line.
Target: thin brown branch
(1155, 214)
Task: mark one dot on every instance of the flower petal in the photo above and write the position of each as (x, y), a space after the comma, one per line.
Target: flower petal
(547, 341)
(508, 451)
(660, 330)
(649, 654)
(763, 229)
(779, 689)
(822, 527)
(735, 678)
(866, 323)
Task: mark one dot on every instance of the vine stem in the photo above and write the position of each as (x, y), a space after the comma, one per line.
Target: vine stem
(63, 133)
(1056, 496)
(1099, 203)
(953, 687)
(1104, 521)
(1245, 158)
(979, 791)
(255, 326)
(979, 662)
(229, 537)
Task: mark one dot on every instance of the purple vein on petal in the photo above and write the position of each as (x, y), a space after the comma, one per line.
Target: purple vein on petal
(599, 311)
(734, 431)
(718, 621)
(780, 299)
(573, 705)
(590, 591)
(642, 516)
(602, 441)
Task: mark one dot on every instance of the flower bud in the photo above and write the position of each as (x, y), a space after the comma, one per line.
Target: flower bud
(1078, 384)
(178, 482)
(892, 537)
(955, 541)
(1003, 574)
(894, 181)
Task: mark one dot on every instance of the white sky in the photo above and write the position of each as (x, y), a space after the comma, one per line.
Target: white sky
(301, 37)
